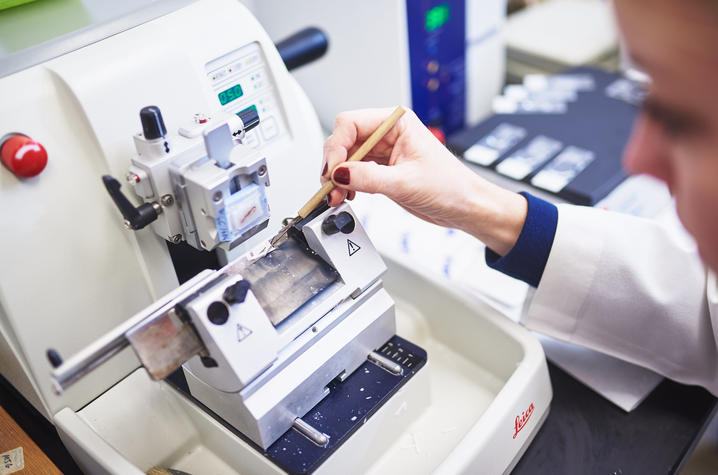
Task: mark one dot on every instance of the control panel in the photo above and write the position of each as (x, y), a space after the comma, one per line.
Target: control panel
(241, 81)
(437, 59)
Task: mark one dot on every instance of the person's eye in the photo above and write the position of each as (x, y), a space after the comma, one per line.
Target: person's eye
(673, 124)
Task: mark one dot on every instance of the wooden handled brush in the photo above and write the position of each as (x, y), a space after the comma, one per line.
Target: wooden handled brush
(361, 152)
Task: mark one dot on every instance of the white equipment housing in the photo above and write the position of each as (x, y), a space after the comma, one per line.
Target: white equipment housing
(72, 273)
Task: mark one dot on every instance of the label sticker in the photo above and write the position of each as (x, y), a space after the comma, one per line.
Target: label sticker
(623, 89)
(12, 461)
(529, 158)
(489, 148)
(353, 247)
(563, 169)
(566, 82)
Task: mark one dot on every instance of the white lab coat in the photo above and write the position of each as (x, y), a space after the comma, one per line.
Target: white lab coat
(627, 287)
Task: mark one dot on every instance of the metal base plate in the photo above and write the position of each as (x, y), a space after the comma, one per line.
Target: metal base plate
(348, 406)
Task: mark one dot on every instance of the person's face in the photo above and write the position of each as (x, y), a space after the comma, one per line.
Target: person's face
(676, 136)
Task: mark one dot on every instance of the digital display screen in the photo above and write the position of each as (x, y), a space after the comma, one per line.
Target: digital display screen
(437, 17)
(231, 94)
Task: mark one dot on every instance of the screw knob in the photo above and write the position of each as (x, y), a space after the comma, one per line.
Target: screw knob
(342, 222)
(236, 293)
(218, 313)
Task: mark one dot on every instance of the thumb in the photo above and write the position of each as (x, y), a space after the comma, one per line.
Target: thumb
(367, 177)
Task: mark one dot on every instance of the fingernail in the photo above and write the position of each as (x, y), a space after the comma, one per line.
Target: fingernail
(326, 169)
(351, 195)
(341, 175)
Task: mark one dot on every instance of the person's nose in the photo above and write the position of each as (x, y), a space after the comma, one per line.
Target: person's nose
(648, 150)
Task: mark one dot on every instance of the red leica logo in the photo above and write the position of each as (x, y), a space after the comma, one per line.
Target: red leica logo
(523, 419)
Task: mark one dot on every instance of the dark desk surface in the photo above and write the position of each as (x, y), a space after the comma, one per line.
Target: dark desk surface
(584, 433)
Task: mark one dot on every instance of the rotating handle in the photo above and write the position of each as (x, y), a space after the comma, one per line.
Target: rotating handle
(303, 47)
(135, 217)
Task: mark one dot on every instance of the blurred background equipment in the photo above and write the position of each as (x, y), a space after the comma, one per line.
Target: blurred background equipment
(443, 58)
(549, 37)
(562, 134)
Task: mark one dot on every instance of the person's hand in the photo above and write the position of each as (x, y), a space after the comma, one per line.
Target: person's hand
(411, 167)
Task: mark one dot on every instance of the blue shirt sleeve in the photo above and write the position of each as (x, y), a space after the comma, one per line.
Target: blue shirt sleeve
(527, 259)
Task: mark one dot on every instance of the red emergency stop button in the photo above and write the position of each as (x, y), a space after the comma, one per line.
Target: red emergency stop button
(22, 155)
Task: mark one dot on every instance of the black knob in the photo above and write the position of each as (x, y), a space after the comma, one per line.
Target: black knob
(303, 47)
(236, 293)
(218, 313)
(250, 118)
(335, 223)
(153, 127)
(54, 358)
(208, 362)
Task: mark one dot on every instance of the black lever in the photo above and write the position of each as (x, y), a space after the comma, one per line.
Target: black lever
(250, 118)
(135, 218)
(303, 47)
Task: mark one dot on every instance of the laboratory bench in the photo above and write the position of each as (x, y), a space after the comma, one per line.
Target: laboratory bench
(584, 433)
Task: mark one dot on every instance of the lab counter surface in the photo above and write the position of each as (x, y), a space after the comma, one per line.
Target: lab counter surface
(584, 433)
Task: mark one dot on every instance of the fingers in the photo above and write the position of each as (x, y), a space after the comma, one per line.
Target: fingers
(337, 196)
(353, 126)
(334, 154)
(368, 177)
(351, 129)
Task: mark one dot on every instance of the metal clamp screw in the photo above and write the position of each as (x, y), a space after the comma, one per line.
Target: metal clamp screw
(167, 200)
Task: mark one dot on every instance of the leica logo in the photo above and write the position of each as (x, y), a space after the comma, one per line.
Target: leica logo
(523, 419)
